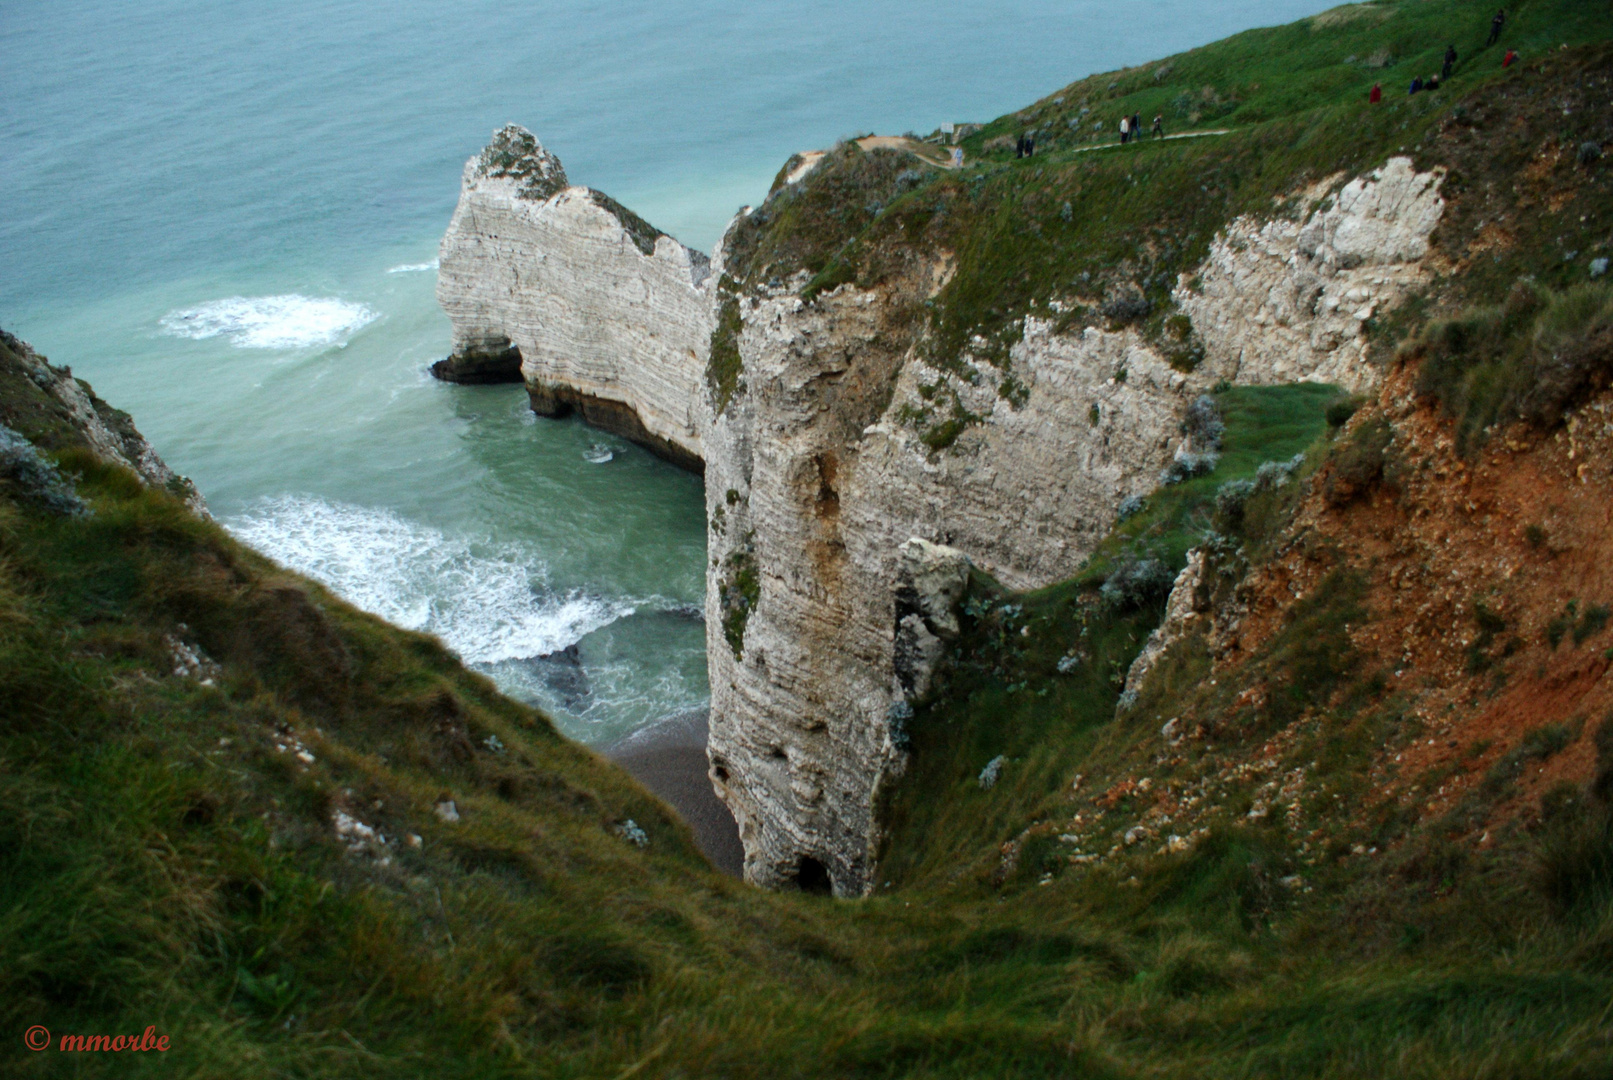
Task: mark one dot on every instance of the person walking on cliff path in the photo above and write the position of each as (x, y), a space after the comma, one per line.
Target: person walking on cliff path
(1125, 129)
(1450, 64)
(1159, 125)
(1030, 144)
(1019, 146)
(1136, 126)
(1495, 27)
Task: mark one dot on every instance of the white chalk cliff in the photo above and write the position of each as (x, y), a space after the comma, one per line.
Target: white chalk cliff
(838, 531)
(1288, 299)
(602, 312)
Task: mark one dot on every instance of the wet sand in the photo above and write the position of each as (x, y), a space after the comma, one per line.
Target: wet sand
(669, 758)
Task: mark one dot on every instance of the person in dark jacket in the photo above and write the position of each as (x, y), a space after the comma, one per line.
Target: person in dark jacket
(1019, 147)
(1137, 125)
(1416, 85)
(1450, 63)
(1495, 27)
(1159, 125)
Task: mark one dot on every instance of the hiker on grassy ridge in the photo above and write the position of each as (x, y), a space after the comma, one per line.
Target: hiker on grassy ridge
(1136, 125)
(1159, 125)
(1416, 85)
(1450, 63)
(1377, 93)
(1125, 129)
(1019, 146)
(1495, 27)
(1508, 60)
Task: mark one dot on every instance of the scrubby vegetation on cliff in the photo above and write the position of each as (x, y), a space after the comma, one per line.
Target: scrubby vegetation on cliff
(1097, 235)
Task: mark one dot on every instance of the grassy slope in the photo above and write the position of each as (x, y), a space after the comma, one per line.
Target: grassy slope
(1086, 227)
(1007, 696)
(155, 874)
(152, 873)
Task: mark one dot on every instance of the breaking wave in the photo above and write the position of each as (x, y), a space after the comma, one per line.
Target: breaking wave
(270, 322)
(487, 603)
(413, 268)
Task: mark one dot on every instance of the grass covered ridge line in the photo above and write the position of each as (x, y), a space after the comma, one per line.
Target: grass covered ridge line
(1084, 229)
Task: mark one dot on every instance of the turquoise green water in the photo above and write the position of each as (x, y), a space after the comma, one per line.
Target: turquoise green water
(224, 215)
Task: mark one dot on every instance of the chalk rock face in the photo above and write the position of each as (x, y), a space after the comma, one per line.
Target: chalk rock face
(824, 481)
(1287, 300)
(851, 486)
(596, 309)
(859, 535)
(109, 432)
(930, 583)
(1187, 607)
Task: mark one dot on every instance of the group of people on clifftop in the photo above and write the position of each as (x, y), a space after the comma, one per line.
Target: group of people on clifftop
(1131, 127)
(1432, 82)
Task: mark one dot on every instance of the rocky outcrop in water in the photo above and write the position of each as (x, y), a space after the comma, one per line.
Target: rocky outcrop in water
(589, 305)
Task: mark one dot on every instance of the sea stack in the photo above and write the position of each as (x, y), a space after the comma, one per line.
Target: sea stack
(566, 290)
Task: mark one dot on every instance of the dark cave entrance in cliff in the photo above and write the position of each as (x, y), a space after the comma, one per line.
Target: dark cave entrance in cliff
(811, 876)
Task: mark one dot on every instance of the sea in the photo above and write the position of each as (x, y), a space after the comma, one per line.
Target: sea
(225, 215)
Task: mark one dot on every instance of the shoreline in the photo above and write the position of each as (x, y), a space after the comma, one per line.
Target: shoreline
(669, 758)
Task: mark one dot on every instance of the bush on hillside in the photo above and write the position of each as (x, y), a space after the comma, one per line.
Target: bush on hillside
(1186, 465)
(1203, 424)
(1136, 583)
(38, 478)
(1530, 359)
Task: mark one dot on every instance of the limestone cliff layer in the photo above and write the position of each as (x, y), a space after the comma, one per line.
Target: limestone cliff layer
(821, 471)
(1289, 298)
(846, 474)
(593, 308)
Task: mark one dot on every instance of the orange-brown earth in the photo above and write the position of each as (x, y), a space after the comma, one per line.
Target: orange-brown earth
(1477, 622)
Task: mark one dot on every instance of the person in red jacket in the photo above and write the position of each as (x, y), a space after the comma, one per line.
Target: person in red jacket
(1507, 60)
(1376, 95)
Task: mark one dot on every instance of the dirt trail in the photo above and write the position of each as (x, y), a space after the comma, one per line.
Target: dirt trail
(1147, 139)
(941, 157)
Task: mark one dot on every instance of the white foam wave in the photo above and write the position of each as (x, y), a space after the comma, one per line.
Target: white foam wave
(270, 322)
(413, 268)
(487, 604)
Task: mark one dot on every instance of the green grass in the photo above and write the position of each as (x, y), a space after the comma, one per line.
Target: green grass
(1528, 359)
(1083, 228)
(725, 368)
(163, 861)
(1006, 695)
(1263, 424)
